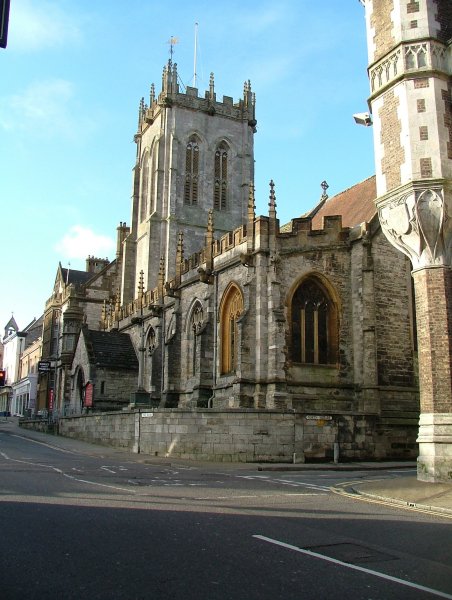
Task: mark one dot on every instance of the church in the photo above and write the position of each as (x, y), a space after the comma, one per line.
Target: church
(209, 306)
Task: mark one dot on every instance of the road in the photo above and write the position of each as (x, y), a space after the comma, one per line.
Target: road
(81, 521)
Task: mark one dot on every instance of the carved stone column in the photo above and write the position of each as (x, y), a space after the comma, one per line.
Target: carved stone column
(417, 222)
(410, 74)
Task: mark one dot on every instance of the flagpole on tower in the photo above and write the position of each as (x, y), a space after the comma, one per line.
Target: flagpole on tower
(195, 56)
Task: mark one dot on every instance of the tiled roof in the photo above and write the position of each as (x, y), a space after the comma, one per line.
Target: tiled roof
(355, 205)
(111, 349)
(34, 331)
(74, 276)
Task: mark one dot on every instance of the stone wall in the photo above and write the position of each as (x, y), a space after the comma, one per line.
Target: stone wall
(245, 435)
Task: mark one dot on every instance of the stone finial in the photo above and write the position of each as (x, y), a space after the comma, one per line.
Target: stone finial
(174, 79)
(152, 95)
(141, 111)
(324, 187)
(211, 87)
(272, 203)
(104, 312)
(251, 205)
(179, 257)
(141, 284)
(210, 228)
(180, 248)
(161, 278)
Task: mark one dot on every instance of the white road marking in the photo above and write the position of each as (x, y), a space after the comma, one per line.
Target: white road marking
(107, 469)
(22, 437)
(60, 472)
(259, 496)
(355, 567)
(267, 479)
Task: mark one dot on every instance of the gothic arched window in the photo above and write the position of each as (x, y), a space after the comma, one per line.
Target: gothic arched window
(220, 177)
(191, 171)
(230, 311)
(313, 325)
(144, 191)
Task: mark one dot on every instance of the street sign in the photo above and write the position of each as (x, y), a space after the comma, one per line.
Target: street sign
(319, 417)
(44, 366)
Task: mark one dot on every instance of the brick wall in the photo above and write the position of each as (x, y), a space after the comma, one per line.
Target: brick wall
(382, 23)
(434, 327)
(394, 154)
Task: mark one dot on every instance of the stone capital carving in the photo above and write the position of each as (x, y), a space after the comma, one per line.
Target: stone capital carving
(417, 223)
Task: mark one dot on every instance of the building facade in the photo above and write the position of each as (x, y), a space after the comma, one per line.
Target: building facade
(227, 310)
(25, 389)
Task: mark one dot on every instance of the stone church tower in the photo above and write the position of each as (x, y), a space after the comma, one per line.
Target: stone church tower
(194, 154)
(410, 58)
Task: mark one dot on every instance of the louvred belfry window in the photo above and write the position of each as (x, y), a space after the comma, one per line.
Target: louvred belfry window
(221, 178)
(191, 172)
(313, 325)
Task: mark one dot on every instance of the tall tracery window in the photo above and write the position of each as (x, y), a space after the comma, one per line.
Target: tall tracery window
(221, 177)
(191, 171)
(144, 191)
(314, 325)
(230, 311)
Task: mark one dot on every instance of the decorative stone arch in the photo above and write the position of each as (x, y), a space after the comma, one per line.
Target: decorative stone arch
(194, 325)
(231, 308)
(313, 308)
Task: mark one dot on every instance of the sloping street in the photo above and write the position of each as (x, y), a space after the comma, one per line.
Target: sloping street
(84, 521)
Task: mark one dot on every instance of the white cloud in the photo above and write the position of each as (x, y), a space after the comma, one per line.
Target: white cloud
(45, 108)
(81, 242)
(40, 24)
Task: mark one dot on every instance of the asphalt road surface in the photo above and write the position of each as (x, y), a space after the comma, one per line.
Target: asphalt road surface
(81, 521)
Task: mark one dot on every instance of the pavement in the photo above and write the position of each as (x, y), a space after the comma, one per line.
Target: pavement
(403, 491)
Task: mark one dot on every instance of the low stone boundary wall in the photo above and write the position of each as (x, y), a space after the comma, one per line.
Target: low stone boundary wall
(42, 425)
(233, 435)
(245, 435)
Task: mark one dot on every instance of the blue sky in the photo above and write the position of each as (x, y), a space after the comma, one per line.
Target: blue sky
(71, 79)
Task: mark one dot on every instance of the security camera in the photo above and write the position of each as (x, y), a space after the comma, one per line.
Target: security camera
(363, 119)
